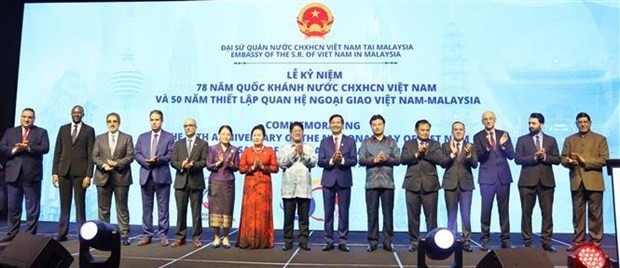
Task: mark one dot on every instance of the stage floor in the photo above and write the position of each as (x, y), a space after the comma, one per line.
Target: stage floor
(154, 255)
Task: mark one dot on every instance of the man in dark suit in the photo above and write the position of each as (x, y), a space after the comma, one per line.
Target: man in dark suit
(24, 146)
(421, 183)
(73, 168)
(337, 154)
(536, 152)
(189, 158)
(458, 181)
(494, 149)
(584, 154)
(153, 152)
(113, 154)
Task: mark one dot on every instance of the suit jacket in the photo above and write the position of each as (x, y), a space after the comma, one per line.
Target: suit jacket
(493, 163)
(74, 159)
(195, 175)
(532, 170)
(29, 162)
(459, 169)
(422, 171)
(123, 155)
(337, 173)
(594, 149)
(161, 169)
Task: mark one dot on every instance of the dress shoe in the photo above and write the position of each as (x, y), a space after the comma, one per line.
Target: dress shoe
(145, 241)
(506, 245)
(164, 242)
(388, 247)
(225, 243)
(467, 248)
(177, 243)
(304, 246)
(216, 244)
(573, 247)
(196, 243)
(9, 239)
(58, 238)
(412, 248)
(549, 248)
(343, 247)
(371, 248)
(527, 244)
(287, 246)
(328, 247)
(484, 246)
(125, 241)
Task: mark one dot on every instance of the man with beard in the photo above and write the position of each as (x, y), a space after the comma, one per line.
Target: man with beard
(536, 152)
(73, 168)
(585, 154)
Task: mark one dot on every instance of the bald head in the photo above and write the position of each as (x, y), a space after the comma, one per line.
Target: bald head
(488, 120)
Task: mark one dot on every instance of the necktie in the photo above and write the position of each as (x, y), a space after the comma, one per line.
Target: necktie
(537, 142)
(189, 147)
(25, 135)
(336, 144)
(113, 145)
(492, 140)
(74, 134)
(154, 145)
(458, 149)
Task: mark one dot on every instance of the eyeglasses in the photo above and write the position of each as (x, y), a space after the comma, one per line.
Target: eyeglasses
(189, 125)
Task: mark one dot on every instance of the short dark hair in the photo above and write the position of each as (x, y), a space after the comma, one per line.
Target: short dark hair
(334, 116)
(376, 117)
(539, 116)
(29, 109)
(161, 114)
(582, 114)
(113, 114)
(296, 124)
(225, 127)
(458, 122)
(258, 127)
(420, 122)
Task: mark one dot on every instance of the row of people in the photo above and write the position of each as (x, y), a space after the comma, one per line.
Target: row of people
(78, 150)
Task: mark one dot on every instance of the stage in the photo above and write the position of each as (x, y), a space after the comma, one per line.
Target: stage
(154, 255)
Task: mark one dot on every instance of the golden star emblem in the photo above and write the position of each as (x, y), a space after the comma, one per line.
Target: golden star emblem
(315, 14)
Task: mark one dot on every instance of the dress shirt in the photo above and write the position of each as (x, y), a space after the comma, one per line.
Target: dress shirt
(296, 178)
(379, 175)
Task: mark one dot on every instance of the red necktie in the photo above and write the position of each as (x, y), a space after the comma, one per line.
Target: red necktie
(458, 149)
(25, 135)
(336, 145)
(492, 140)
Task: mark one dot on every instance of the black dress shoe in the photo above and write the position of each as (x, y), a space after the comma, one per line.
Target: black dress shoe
(527, 244)
(388, 247)
(467, 248)
(506, 245)
(343, 247)
(305, 247)
(6, 239)
(573, 247)
(549, 248)
(412, 248)
(371, 248)
(287, 246)
(60, 238)
(328, 247)
(484, 247)
(125, 242)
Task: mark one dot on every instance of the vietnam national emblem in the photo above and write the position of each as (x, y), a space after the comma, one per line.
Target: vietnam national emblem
(315, 20)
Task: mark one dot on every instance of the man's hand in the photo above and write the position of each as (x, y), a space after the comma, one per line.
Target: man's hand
(504, 138)
(578, 158)
(151, 161)
(55, 180)
(85, 182)
(467, 149)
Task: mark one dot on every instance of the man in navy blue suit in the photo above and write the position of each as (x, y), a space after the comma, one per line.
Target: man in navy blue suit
(337, 154)
(24, 146)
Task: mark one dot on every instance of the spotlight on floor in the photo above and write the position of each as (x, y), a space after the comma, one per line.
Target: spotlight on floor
(101, 236)
(439, 244)
(590, 256)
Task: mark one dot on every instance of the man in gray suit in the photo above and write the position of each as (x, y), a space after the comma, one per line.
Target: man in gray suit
(536, 152)
(458, 181)
(189, 158)
(421, 182)
(113, 154)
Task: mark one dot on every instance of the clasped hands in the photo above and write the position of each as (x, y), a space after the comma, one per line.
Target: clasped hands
(228, 161)
(575, 159)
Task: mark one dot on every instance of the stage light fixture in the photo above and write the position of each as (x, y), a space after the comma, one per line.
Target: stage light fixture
(439, 244)
(101, 236)
(589, 256)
